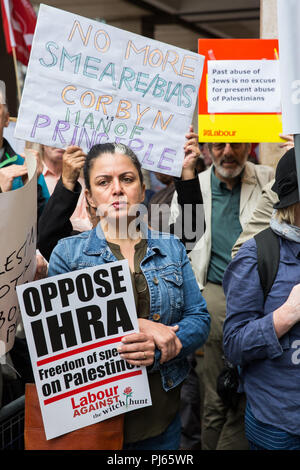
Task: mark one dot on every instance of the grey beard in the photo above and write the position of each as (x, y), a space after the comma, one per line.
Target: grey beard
(226, 173)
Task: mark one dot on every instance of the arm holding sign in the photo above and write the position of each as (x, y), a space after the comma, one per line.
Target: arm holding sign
(191, 155)
(55, 223)
(73, 161)
(188, 197)
(191, 330)
(138, 347)
(165, 338)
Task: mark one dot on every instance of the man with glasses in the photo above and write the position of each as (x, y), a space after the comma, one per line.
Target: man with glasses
(230, 189)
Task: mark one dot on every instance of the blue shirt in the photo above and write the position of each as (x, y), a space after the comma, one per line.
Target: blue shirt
(225, 226)
(175, 297)
(270, 367)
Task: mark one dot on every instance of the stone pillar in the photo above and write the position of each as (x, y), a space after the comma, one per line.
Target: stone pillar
(269, 153)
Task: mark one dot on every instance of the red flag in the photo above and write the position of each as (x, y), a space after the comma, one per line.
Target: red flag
(19, 20)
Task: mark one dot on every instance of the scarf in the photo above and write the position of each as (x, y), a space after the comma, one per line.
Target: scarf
(285, 230)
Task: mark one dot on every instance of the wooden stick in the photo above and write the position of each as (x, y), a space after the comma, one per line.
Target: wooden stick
(16, 72)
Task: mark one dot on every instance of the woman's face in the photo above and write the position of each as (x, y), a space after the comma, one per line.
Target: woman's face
(115, 186)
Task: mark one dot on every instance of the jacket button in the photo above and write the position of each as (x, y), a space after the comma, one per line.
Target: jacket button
(155, 280)
(169, 382)
(156, 316)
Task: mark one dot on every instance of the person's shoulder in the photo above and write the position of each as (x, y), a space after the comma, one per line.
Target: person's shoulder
(263, 173)
(248, 250)
(243, 264)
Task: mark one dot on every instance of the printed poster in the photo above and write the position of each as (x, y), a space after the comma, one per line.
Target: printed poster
(240, 97)
(74, 324)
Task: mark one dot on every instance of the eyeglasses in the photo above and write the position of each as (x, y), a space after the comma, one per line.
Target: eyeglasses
(220, 146)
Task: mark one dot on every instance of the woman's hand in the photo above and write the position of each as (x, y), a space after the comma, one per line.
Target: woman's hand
(138, 349)
(191, 155)
(164, 337)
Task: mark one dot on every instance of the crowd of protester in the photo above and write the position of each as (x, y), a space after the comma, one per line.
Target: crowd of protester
(203, 294)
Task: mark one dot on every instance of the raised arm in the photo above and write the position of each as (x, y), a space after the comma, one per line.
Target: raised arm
(54, 222)
(187, 203)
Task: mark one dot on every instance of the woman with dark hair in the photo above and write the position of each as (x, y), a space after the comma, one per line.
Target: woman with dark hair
(172, 315)
(262, 326)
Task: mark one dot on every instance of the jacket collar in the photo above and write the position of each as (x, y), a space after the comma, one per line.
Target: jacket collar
(97, 244)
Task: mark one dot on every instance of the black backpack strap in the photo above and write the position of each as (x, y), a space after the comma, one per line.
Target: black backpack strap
(268, 256)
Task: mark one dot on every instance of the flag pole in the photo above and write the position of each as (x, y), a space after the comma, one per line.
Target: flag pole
(17, 75)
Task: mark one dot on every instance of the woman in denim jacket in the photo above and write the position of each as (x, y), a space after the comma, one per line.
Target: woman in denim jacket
(173, 319)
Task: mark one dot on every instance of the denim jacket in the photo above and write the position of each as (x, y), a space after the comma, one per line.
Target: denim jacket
(175, 297)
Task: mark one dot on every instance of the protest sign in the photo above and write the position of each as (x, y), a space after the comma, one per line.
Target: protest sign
(88, 83)
(239, 99)
(74, 324)
(18, 212)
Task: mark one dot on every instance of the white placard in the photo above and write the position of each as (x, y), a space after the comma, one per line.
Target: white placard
(18, 214)
(289, 40)
(88, 82)
(243, 86)
(74, 324)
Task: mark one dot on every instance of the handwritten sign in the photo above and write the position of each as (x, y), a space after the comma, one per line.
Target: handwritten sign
(74, 324)
(240, 99)
(18, 212)
(89, 83)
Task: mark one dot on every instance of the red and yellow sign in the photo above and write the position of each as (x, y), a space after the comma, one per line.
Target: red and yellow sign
(239, 96)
